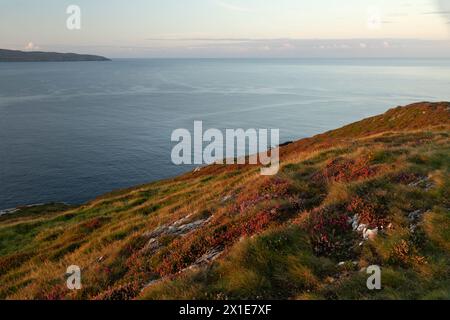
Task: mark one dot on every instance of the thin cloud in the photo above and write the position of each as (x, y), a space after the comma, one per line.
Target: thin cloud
(30, 46)
(276, 48)
(218, 39)
(444, 10)
(232, 7)
(437, 12)
(444, 5)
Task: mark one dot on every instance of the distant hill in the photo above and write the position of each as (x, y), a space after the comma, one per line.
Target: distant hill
(37, 56)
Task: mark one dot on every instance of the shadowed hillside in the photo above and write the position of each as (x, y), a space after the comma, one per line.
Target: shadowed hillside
(373, 192)
(38, 56)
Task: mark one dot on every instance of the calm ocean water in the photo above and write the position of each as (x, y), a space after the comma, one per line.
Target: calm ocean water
(72, 131)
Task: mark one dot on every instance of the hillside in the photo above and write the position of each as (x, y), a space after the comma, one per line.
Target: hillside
(374, 192)
(37, 56)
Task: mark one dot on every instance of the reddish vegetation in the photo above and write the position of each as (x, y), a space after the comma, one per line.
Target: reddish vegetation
(56, 293)
(185, 251)
(329, 231)
(12, 261)
(413, 117)
(406, 178)
(123, 292)
(346, 170)
(112, 234)
(242, 228)
(370, 213)
(270, 189)
(93, 224)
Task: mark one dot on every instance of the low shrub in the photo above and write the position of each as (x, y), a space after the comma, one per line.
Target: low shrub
(330, 232)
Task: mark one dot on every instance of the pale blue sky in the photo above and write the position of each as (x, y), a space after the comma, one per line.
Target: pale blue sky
(279, 28)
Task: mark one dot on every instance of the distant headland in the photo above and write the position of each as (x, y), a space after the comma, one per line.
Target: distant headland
(38, 56)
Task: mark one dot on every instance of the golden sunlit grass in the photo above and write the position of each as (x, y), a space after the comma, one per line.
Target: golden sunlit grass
(279, 237)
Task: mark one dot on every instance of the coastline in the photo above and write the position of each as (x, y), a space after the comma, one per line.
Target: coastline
(43, 204)
(206, 226)
(10, 211)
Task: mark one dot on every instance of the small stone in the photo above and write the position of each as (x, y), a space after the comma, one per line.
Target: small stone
(370, 234)
(226, 198)
(415, 215)
(182, 220)
(151, 283)
(210, 256)
(151, 246)
(424, 183)
(155, 233)
(361, 227)
(354, 222)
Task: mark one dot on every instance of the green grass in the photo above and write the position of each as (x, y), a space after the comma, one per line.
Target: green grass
(282, 237)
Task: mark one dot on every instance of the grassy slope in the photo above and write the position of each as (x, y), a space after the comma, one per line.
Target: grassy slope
(280, 237)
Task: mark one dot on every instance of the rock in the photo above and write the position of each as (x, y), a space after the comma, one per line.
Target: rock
(415, 215)
(370, 234)
(204, 260)
(414, 218)
(361, 228)
(354, 222)
(156, 233)
(100, 259)
(151, 283)
(176, 228)
(152, 246)
(424, 183)
(226, 198)
(210, 256)
(8, 211)
(191, 267)
(172, 229)
(187, 228)
(182, 220)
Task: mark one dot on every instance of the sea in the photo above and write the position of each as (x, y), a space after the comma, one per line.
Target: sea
(71, 131)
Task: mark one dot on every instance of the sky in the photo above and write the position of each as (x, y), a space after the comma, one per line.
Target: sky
(231, 28)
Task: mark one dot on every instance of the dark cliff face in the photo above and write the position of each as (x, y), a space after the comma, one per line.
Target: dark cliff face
(36, 56)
